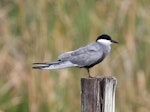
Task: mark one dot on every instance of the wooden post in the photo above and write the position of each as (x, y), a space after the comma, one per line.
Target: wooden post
(98, 94)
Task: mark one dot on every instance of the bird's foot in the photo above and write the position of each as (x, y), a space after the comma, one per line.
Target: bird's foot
(91, 76)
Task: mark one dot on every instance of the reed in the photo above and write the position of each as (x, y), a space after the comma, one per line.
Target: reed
(40, 30)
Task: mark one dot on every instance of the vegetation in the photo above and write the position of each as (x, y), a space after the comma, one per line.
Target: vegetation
(40, 30)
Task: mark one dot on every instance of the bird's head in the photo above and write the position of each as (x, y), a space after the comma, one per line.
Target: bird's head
(105, 39)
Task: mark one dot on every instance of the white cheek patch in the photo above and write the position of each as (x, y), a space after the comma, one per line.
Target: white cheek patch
(104, 41)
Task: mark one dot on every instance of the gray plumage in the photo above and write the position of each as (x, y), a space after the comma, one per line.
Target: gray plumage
(84, 57)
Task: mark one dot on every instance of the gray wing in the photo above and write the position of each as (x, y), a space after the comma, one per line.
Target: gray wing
(84, 56)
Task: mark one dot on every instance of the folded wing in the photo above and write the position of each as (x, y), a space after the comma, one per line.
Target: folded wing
(84, 56)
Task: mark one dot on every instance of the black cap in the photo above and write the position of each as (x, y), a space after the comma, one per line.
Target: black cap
(104, 36)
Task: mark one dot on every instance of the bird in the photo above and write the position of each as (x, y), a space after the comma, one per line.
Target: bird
(84, 57)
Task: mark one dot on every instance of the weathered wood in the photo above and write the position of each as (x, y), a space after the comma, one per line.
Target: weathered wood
(98, 94)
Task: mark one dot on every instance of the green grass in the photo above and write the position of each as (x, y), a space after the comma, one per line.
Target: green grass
(38, 31)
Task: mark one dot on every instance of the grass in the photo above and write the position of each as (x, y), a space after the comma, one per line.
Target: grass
(38, 31)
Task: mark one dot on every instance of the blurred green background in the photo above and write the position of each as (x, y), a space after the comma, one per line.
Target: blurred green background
(40, 30)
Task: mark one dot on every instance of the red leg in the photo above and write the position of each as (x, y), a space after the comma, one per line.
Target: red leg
(88, 70)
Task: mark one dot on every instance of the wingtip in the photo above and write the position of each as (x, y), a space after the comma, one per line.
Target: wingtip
(36, 67)
(39, 65)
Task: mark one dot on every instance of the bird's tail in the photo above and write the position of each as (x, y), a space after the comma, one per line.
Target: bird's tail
(53, 65)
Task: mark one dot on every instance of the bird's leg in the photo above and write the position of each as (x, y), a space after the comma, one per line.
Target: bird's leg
(88, 70)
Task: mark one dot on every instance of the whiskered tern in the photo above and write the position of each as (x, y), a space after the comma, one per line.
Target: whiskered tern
(84, 57)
